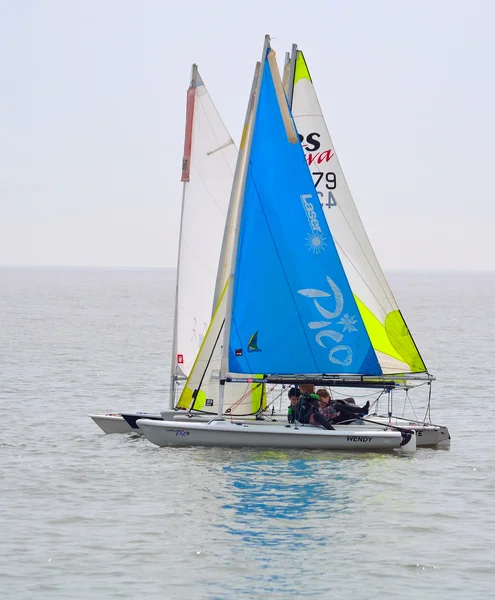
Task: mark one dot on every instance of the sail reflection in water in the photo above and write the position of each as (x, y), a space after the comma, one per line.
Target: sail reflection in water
(277, 501)
(287, 514)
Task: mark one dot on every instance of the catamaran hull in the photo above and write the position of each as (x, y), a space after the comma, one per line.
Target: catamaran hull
(226, 434)
(121, 423)
(426, 434)
(111, 423)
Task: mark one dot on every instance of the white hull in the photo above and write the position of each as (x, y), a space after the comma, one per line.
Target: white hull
(115, 423)
(426, 434)
(227, 434)
(111, 423)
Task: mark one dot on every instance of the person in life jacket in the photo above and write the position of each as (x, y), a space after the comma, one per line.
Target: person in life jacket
(304, 409)
(337, 411)
(294, 395)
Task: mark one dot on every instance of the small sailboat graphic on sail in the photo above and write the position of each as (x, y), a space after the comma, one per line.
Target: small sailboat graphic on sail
(298, 300)
(253, 343)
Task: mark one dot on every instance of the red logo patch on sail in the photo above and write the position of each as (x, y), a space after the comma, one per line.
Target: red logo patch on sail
(180, 359)
(319, 157)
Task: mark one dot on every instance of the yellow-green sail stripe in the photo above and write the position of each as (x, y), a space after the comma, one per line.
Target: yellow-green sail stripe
(301, 71)
(185, 399)
(258, 395)
(392, 338)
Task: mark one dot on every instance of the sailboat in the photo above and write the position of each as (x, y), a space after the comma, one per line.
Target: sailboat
(286, 310)
(208, 165)
(390, 337)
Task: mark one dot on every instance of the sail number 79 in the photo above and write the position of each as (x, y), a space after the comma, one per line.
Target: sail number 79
(330, 180)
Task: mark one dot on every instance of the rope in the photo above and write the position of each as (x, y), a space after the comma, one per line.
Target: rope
(428, 406)
(410, 402)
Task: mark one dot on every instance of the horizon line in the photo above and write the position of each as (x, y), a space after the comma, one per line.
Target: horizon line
(174, 267)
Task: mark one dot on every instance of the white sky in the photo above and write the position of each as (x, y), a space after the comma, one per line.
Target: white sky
(92, 110)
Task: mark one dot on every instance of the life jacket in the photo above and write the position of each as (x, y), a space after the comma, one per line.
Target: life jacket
(306, 406)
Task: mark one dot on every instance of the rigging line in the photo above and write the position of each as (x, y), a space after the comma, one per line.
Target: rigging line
(428, 406)
(242, 398)
(377, 399)
(195, 392)
(220, 210)
(354, 395)
(196, 256)
(408, 398)
(283, 270)
(232, 416)
(276, 397)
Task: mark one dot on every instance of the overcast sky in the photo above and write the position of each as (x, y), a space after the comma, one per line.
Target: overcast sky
(92, 110)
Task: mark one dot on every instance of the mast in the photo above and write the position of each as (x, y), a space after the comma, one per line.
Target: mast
(292, 72)
(238, 188)
(186, 169)
(285, 78)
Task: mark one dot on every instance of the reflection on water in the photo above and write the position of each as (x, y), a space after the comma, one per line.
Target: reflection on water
(283, 510)
(272, 491)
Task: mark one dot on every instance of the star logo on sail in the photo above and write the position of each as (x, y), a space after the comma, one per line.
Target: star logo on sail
(315, 241)
(348, 323)
(253, 343)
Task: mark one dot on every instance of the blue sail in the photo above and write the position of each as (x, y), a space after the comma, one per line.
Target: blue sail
(293, 311)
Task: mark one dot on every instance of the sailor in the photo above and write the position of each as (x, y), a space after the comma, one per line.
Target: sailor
(337, 411)
(302, 406)
(294, 395)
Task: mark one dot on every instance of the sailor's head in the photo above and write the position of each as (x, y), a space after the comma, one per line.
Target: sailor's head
(324, 396)
(294, 394)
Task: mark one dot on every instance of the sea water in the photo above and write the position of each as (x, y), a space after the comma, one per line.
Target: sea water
(84, 515)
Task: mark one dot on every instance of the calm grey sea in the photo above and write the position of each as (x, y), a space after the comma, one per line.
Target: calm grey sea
(84, 515)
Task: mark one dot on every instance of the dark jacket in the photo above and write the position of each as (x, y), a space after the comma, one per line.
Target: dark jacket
(302, 411)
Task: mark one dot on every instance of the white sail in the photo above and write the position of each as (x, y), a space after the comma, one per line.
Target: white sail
(201, 391)
(390, 337)
(208, 167)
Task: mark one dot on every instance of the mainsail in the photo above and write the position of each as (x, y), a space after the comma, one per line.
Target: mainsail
(207, 172)
(290, 294)
(390, 337)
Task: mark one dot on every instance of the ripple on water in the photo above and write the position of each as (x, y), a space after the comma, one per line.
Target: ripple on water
(91, 516)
